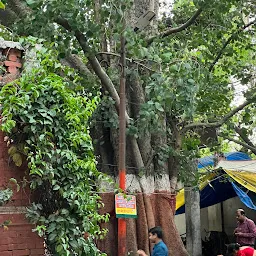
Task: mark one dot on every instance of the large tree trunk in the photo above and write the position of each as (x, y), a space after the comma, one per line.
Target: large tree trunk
(145, 177)
(155, 200)
(149, 180)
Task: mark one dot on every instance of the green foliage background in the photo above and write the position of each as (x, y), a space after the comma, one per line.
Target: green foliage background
(182, 79)
(47, 118)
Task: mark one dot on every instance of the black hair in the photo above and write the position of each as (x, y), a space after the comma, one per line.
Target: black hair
(156, 231)
(231, 248)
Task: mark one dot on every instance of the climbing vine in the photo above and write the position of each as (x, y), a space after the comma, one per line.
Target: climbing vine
(46, 118)
(7, 193)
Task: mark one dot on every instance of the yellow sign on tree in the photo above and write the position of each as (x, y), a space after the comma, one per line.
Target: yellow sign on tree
(125, 206)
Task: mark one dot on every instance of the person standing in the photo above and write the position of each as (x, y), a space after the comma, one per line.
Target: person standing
(160, 248)
(246, 230)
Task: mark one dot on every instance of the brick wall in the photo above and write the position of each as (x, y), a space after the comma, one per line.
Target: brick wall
(10, 59)
(17, 239)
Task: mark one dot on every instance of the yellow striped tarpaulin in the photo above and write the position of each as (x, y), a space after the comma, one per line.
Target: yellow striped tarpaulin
(246, 179)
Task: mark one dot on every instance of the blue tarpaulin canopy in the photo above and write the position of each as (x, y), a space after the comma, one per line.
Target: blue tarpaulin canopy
(219, 188)
(244, 197)
(233, 156)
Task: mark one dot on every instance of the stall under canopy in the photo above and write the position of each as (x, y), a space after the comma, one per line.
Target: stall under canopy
(234, 176)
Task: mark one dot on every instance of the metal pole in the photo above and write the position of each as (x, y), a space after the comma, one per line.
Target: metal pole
(122, 147)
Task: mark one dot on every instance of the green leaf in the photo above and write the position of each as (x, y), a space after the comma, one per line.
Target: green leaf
(52, 112)
(191, 81)
(56, 187)
(73, 243)
(51, 228)
(59, 248)
(17, 159)
(14, 181)
(12, 150)
(2, 6)
(31, 2)
(159, 107)
(52, 236)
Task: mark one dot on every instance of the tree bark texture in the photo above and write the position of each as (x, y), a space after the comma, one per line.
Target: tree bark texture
(162, 206)
(145, 177)
(193, 223)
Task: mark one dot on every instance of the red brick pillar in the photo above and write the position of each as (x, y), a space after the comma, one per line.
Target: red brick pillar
(17, 239)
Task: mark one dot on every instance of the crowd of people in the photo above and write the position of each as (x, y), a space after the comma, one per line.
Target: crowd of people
(245, 234)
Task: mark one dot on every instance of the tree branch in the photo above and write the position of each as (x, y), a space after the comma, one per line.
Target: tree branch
(64, 23)
(75, 62)
(106, 81)
(177, 29)
(227, 42)
(99, 71)
(245, 145)
(220, 122)
(243, 136)
(108, 84)
(130, 60)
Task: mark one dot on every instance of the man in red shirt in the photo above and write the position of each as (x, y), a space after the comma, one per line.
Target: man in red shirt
(246, 230)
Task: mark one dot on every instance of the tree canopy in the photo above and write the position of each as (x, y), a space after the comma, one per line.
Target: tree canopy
(182, 74)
